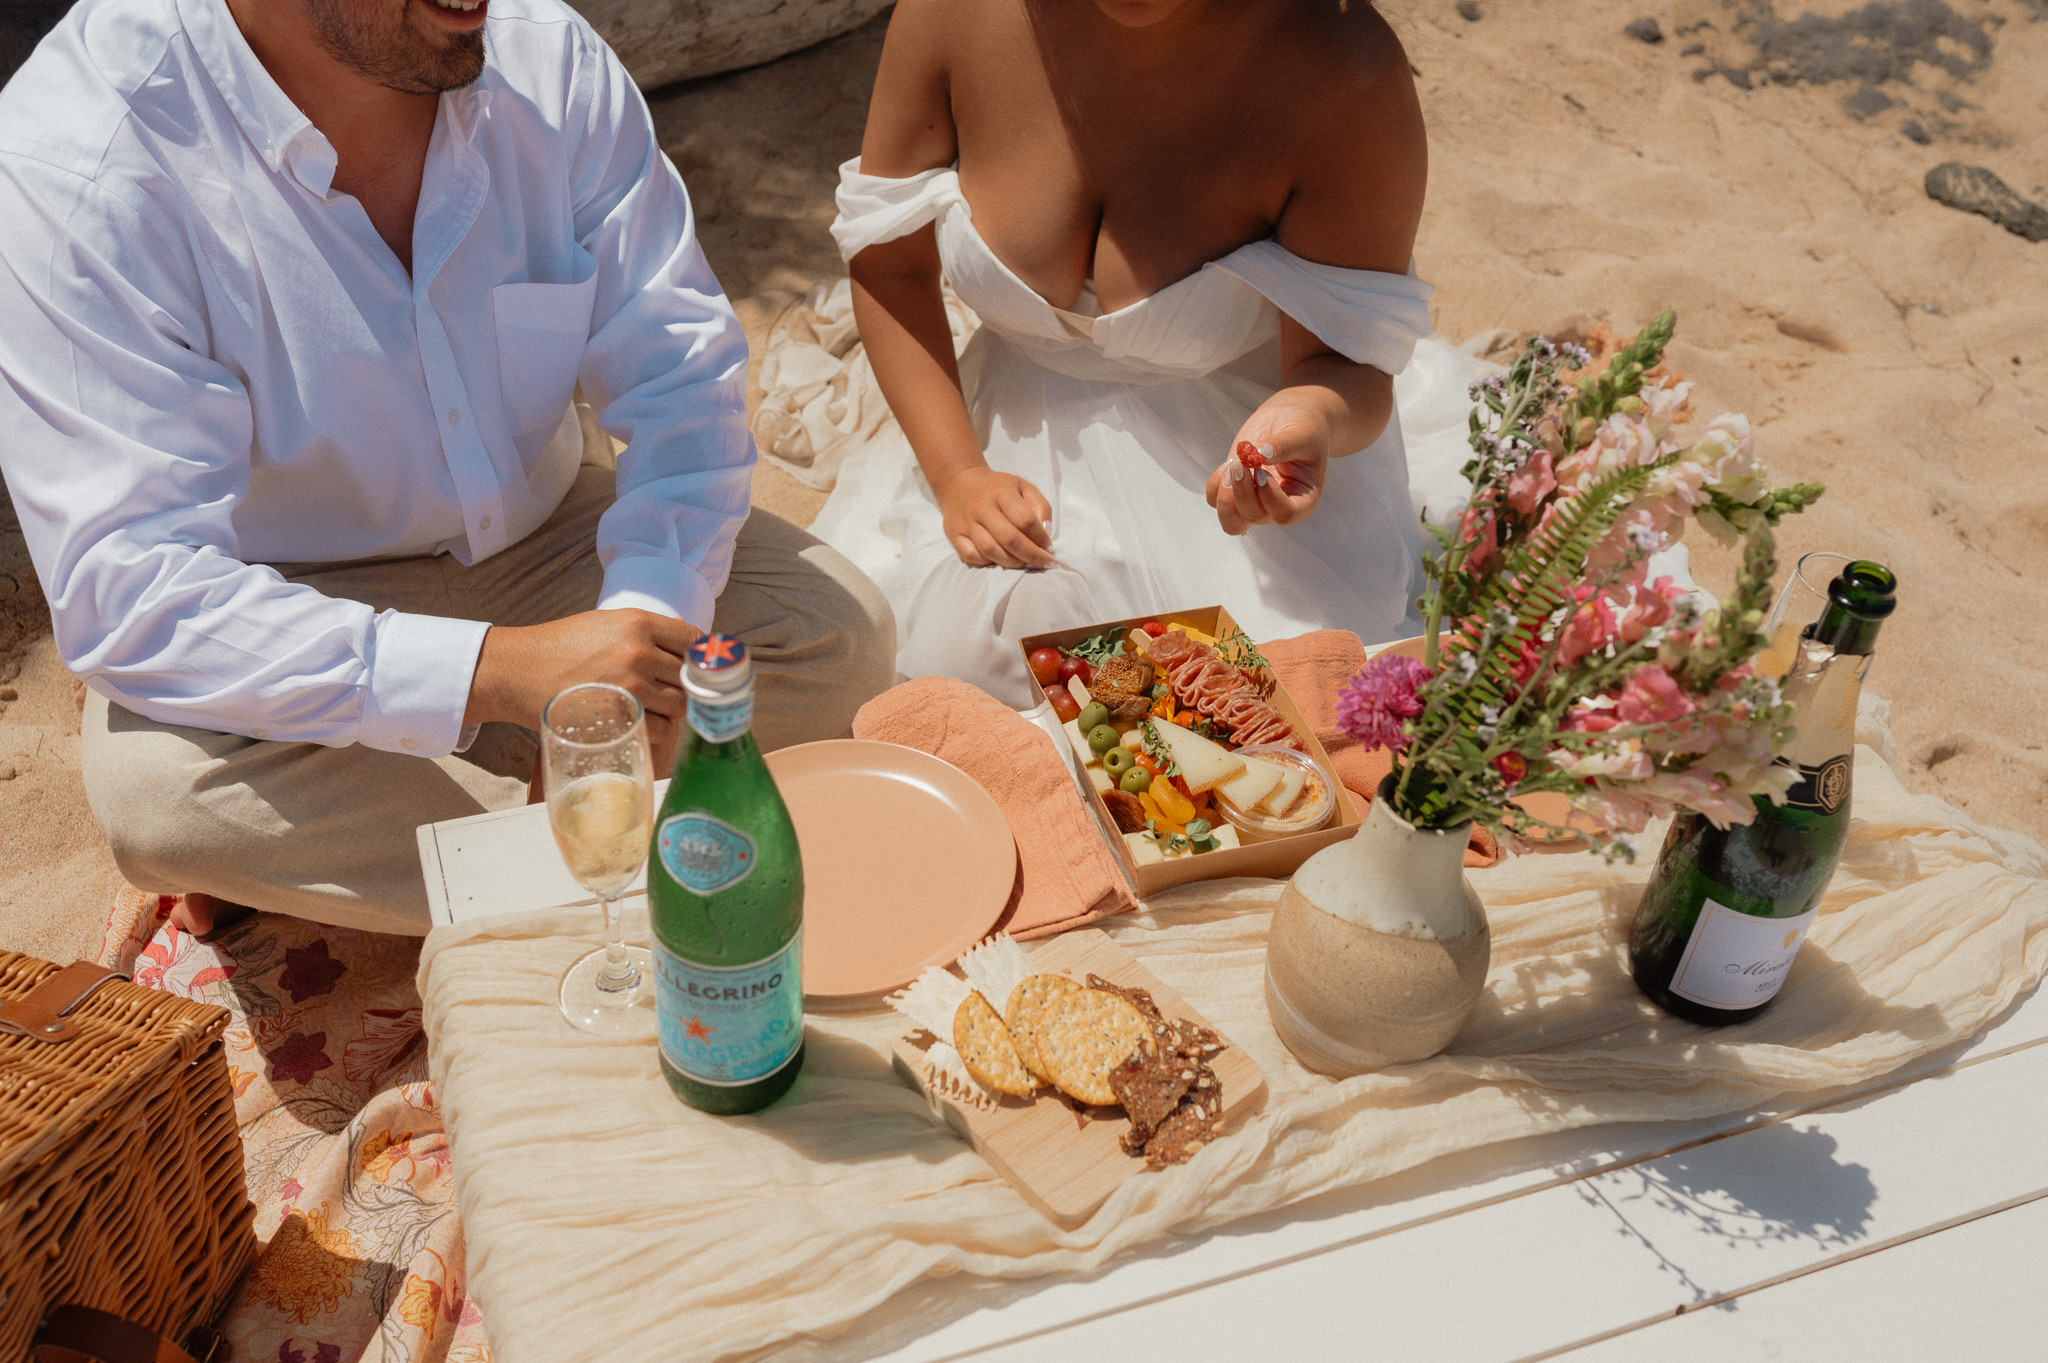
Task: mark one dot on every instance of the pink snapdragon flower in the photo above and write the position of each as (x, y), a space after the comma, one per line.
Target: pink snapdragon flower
(1592, 627)
(1651, 608)
(1531, 483)
(1375, 705)
(1653, 696)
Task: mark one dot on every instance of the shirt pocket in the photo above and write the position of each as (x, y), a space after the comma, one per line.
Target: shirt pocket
(542, 330)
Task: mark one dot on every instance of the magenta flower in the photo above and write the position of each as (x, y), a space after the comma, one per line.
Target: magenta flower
(1374, 706)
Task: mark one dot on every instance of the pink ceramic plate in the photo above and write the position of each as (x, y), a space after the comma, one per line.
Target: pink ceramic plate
(907, 862)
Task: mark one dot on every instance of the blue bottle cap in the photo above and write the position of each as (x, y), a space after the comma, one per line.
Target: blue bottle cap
(717, 652)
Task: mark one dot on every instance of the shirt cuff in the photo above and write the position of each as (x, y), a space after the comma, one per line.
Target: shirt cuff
(421, 667)
(662, 585)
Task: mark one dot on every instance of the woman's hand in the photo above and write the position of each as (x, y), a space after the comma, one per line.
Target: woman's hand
(1293, 458)
(995, 519)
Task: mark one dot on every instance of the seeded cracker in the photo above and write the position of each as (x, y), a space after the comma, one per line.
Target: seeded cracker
(1150, 1084)
(984, 1044)
(1026, 1014)
(1085, 1035)
(1140, 999)
(1192, 1125)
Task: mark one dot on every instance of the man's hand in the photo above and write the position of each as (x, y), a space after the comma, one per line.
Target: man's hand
(995, 519)
(1293, 444)
(521, 668)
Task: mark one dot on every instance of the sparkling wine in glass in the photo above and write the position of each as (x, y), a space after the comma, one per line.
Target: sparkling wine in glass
(599, 777)
(1804, 597)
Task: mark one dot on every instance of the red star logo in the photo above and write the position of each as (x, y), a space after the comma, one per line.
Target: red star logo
(719, 648)
(696, 1028)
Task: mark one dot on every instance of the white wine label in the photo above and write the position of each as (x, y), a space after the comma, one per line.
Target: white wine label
(1737, 960)
(703, 853)
(729, 1025)
(721, 721)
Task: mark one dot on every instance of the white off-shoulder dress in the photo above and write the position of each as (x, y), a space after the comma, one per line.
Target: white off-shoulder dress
(1119, 418)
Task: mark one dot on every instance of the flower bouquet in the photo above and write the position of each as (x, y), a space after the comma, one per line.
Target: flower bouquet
(1552, 662)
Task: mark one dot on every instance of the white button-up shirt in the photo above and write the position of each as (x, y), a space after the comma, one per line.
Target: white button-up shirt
(210, 361)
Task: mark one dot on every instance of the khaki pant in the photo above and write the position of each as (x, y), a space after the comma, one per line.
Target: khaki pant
(329, 833)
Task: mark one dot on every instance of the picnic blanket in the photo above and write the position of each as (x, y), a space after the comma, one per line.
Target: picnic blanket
(588, 1192)
(347, 1162)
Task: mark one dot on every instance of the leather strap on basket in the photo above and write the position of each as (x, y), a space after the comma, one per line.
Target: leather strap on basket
(79, 1334)
(43, 1013)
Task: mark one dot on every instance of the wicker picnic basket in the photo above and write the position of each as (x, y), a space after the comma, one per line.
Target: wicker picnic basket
(120, 1165)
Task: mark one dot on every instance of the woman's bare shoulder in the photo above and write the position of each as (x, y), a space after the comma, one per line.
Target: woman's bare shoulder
(1361, 156)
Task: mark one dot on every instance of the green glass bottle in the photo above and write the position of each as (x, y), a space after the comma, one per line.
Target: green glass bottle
(725, 894)
(1726, 910)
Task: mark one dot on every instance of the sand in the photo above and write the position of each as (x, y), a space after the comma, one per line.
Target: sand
(1758, 169)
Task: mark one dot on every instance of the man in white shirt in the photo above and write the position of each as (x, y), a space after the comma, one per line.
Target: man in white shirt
(294, 299)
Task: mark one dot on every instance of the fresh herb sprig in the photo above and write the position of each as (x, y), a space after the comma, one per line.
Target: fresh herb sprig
(1100, 648)
(1156, 749)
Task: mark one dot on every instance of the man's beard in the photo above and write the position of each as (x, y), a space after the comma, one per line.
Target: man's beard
(381, 46)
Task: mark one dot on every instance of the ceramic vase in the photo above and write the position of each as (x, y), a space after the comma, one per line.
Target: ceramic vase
(1378, 948)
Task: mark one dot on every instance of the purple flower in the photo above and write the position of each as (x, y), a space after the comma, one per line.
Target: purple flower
(301, 1057)
(309, 971)
(1374, 705)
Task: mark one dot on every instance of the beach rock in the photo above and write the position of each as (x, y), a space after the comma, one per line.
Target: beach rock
(1468, 10)
(1646, 30)
(1974, 189)
(662, 41)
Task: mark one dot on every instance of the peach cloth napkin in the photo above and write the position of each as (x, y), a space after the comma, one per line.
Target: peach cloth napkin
(1066, 874)
(1313, 668)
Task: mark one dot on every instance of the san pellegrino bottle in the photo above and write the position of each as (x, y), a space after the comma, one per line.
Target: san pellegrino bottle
(725, 894)
(1726, 910)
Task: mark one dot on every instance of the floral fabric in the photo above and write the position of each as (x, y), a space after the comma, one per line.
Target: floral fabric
(347, 1162)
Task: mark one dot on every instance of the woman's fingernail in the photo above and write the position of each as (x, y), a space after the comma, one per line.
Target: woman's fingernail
(1236, 471)
(1260, 476)
(1266, 449)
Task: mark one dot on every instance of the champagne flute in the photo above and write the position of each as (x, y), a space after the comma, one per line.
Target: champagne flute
(598, 774)
(1800, 603)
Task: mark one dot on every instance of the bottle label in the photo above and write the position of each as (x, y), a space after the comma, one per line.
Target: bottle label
(721, 721)
(1824, 788)
(705, 854)
(1737, 960)
(730, 1025)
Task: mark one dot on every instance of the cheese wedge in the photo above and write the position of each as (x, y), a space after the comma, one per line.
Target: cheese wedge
(1080, 742)
(1146, 852)
(1099, 779)
(1204, 765)
(1292, 779)
(1253, 784)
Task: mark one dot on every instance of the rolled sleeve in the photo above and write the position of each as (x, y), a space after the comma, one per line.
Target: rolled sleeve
(662, 585)
(420, 672)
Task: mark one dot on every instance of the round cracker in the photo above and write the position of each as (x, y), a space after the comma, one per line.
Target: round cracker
(1029, 1001)
(984, 1045)
(1085, 1035)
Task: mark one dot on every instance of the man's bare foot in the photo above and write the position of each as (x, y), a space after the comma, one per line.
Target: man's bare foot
(202, 915)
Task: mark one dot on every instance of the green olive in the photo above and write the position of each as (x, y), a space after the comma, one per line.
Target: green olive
(1135, 781)
(1102, 738)
(1092, 714)
(1118, 759)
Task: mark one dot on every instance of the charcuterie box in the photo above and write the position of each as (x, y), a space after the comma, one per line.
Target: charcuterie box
(1272, 855)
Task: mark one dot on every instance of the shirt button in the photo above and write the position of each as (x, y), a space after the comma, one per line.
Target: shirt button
(408, 744)
(484, 524)
(258, 733)
(454, 417)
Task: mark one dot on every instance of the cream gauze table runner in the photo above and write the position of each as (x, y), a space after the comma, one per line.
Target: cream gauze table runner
(605, 1219)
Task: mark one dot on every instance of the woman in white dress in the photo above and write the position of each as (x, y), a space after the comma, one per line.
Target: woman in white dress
(1183, 224)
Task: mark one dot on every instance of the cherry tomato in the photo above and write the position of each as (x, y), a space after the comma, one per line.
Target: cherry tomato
(1064, 705)
(1153, 628)
(1071, 666)
(1149, 762)
(1248, 455)
(1045, 665)
(1180, 783)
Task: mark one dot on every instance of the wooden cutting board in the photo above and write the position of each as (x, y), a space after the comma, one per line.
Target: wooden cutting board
(1064, 1168)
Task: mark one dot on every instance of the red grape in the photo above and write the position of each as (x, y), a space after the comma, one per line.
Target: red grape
(1045, 665)
(1071, 667)
(1064, 705)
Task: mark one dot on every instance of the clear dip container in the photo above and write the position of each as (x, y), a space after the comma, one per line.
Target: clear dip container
(1311, 808)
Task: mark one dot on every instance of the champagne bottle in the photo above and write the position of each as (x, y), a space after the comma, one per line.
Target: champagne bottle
(1726, 910)
(725, 895)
